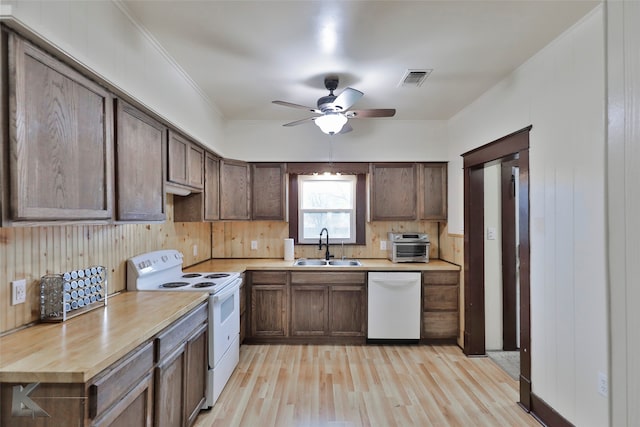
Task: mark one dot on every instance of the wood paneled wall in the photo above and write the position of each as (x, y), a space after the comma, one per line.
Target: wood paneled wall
(232, 239)
(31, 252)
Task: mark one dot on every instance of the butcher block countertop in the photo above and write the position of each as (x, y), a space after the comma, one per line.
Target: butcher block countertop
(80, 348)
(240, 265)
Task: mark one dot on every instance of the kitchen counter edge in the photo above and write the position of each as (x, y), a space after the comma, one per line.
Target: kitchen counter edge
(77, 350)
(244, 264)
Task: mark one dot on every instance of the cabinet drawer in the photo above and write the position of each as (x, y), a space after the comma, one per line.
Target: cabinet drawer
(118, 381)
(440, 324)
(441, 277)
(180, 331)
(440, 298)
(269, 277)
(328, 278)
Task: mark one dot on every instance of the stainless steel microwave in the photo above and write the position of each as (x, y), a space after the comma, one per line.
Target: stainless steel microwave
(408, 247)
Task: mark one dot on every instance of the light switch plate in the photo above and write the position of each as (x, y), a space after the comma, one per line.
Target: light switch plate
(491, 233)
(383, 245)
(254, 245)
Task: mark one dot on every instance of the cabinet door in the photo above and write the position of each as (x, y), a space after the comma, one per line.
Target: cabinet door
(135, 409)
(440, 304)
(177, 159)
(60, 140)
(433, 191)
(267, 191)
(393, 192)
(196, 374)
(185, 162)
(234, 190)
(347, 310)
(140, 159)
(269, 310)
(309, 310)
(211, 188)
(169, 383)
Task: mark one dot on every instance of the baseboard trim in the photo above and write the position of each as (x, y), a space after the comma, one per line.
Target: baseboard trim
(546, 415)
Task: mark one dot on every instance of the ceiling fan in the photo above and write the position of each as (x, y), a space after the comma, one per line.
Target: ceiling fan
(333, 111)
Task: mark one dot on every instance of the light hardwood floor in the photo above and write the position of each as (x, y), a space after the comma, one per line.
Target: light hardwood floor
(349, 386)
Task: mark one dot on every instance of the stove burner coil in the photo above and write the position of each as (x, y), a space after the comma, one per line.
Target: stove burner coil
(191, 275)
(204, 285)
(171, 285)
(216, 276)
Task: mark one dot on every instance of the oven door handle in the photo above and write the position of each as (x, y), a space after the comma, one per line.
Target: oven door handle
(232, 289)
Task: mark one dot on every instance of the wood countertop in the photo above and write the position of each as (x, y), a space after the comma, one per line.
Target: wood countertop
(243, 264)
(80, 348)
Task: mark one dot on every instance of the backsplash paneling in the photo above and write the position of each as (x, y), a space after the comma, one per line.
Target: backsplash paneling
(31, 252)
(232, 239)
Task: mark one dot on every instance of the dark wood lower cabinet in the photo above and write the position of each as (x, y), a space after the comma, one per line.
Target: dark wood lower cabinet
(309, 310)
(309, 307)
(180, 376)
(440, 304)
(268, 292)
(135, 391)
(347, 310)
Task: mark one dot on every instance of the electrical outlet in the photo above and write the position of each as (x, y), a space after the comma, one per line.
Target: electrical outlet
(383, 245)
(254, 245)
(18, 291)
(195, 250)
(603, 384)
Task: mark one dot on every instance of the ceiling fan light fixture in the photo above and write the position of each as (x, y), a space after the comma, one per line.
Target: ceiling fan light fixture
(331, 123)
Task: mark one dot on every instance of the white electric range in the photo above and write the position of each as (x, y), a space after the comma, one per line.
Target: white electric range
(162, 271)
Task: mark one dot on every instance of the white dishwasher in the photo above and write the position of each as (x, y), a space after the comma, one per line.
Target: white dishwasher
(394, 306)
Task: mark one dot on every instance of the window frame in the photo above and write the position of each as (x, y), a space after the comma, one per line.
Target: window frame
(351, 180)
(360, 210)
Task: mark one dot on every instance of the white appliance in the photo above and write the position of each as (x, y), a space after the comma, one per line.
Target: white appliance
(394, 306)
(162, 271)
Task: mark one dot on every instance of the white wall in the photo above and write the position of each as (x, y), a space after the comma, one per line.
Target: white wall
(623, 73)
(101, 36)
(561, 92)
(493, 259)
(371, 140)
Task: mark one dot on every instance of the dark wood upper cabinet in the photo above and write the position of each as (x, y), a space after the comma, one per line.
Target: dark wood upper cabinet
(234, 190)
(268, 191)
(140, 158)
(60, 141)
(432, 194)
(393, 191)
(211, 188)
(201, 206)
(185, 162)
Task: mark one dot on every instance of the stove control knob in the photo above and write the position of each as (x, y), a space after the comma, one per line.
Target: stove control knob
(165, 258)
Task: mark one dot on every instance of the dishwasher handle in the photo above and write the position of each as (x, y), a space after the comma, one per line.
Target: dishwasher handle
(394, 283)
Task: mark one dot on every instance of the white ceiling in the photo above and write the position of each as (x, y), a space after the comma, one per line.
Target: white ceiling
(244, 54)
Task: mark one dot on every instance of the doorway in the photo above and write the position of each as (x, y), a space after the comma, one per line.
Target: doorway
(508, 148)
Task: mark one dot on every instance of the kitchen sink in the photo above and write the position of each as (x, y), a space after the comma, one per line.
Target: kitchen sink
(349, 262)
(333, 262)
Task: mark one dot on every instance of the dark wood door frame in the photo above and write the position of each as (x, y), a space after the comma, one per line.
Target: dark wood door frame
(515, 144)
(509, 255)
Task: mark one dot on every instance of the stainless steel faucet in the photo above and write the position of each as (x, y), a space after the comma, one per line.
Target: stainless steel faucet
(327, 254)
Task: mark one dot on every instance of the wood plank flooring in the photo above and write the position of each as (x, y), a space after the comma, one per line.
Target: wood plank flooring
(349, 386)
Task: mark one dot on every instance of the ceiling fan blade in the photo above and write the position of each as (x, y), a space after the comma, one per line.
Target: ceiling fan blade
(347, 98)
(299, 122)
(292, 105)
(373, 112)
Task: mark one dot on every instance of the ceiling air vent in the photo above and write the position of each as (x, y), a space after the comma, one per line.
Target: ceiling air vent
(415, 78)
